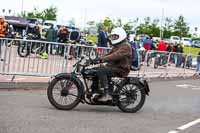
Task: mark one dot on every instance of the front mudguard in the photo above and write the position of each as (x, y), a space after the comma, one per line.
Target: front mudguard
(140, 82)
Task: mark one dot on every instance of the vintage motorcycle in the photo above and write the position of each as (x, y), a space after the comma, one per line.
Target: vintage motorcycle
(67, 90)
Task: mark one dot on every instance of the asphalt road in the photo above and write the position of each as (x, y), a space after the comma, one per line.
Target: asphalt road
(170, 105)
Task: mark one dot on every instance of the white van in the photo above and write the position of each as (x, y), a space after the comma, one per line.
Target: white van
(174, 39)
(186, 41)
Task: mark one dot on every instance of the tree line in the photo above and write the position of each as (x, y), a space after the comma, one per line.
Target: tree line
(149, 26)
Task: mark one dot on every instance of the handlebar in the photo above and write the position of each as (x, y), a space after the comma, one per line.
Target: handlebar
(87, 63)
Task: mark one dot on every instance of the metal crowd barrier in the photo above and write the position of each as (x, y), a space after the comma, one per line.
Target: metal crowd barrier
(12, 63)
(61, 58)
(168, 64)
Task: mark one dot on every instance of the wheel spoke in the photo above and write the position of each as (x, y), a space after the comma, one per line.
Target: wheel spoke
(130, 96)
(67, 97)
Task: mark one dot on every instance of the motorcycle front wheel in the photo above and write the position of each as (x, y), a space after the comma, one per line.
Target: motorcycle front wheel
(64, 93)
(131, 98)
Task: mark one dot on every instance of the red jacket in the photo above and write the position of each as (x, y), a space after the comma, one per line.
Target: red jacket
(162, 46)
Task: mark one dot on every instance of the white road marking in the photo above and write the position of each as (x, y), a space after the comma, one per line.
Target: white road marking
(185, 86)
(186, 126)
(189, 125)
(196, 88)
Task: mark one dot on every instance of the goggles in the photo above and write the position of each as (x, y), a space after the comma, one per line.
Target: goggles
(114, 37)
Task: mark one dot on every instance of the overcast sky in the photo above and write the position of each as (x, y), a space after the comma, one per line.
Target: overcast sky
(99, 9)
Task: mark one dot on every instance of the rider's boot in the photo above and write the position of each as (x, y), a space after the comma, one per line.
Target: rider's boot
(105, 97)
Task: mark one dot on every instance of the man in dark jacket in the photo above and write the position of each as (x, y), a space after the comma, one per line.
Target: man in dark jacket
(36, 36)
(36, 32)
(103, 38)
(179, 55)
(198, 64)
(118, 60)
(51, 37)
(63, 35)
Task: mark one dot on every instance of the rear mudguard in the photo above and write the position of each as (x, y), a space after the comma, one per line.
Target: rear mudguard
(78, 82)
(140, 82)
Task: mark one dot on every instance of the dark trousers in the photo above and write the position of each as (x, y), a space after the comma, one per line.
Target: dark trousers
(104, 73)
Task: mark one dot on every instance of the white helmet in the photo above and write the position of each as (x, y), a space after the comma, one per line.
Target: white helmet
(118, 35)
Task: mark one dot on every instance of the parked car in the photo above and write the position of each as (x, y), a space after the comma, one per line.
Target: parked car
(141, 37)
(167, 40)
(174, 39)
(47, 24)
(33, 21)
(194, 63)
(195, 44)
(132, 35)
(156, 39)
(186, 41)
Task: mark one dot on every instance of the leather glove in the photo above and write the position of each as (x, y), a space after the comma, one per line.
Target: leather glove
(97, 61)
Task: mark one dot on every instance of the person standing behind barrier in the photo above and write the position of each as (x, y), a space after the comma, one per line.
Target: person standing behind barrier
(36, 32)
(146, 44)
(3, 27)
(63, 35)
(36, 36)
(198, 64)
(3, 30)
(162, 47)
(179, 55)
(51, 37)
(170, 49)
(102, 39)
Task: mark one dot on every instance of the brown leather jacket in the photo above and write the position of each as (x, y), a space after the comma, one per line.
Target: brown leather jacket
(120, 58)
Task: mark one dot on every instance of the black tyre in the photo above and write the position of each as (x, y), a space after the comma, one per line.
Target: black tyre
(129, 94)
(23, 50)
(64, 93)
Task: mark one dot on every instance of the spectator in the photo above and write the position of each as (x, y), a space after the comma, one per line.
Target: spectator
(3, 30)
(63, 35)
(146, 44)
(51, 37)
(36, 32)
(179, 55)
(103, 39)
(132, 42)
(36, 36)
(170, 47)
(162, 46)
(198, 64)
(3, 27)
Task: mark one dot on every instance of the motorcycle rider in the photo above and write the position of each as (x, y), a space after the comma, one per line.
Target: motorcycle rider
(118, 61)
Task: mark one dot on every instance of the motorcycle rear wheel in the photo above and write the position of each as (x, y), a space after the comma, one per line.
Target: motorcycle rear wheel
(128, 97)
